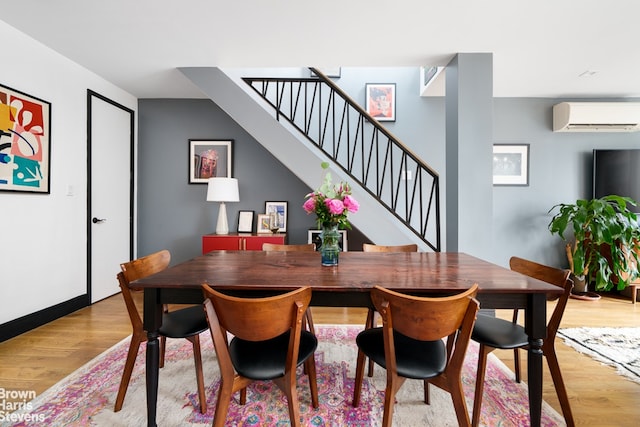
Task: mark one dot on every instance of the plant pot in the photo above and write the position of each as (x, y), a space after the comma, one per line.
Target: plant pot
(581, 289)
(580, 284)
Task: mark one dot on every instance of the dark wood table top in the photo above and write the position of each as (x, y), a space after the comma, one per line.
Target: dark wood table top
(417, 272)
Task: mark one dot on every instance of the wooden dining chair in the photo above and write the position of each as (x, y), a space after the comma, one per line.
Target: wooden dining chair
(307, 247)
(410, 344)
(270, 247)
(368, 247)
(268, 344)
(187, 323)
(372, 319)
(494, 333)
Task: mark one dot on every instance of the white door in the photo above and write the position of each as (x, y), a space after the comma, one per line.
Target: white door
(110, 199)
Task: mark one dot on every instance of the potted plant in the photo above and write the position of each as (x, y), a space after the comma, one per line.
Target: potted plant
(606, 236)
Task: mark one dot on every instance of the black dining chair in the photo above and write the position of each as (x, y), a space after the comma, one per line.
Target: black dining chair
(495, 333)
(188, 322)
(268, 344)
(411, 344)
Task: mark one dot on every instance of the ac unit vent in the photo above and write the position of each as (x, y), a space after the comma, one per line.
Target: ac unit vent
(596, 117)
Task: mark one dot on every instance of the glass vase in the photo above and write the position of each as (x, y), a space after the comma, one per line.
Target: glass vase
(330, 248)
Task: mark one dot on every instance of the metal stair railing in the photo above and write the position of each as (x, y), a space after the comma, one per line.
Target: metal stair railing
(381, 164)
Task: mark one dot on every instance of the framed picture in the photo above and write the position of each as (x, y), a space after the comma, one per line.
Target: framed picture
(281, 209)
(208, 159)
(263, 224)
(314, 237)
(245, 221)
(380, 101)
(511, 164)
(25, 142)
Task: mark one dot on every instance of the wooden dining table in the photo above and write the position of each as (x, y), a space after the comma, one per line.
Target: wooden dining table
(257, 273)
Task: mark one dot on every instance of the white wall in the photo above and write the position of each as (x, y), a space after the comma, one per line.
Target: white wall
(43, 254)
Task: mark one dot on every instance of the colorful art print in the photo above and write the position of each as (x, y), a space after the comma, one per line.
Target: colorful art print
(280, 208)
(25, 142)
(209, 159)
(380, 101)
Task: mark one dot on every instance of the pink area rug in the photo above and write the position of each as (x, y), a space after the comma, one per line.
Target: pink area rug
(86, 397)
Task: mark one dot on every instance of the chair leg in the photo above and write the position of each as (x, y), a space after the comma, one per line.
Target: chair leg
(634, 293)
(197, 357)
(371, 323)
(308, 320)
(477, 399)
(427, 398)
(222, 407)
(516, 364)
(310, 365)
(394, 382)
(459, 403)
(561, 391)
(134, 345)
(163, 346)
(359, 376)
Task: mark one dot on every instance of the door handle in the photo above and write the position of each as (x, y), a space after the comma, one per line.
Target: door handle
(98, 220)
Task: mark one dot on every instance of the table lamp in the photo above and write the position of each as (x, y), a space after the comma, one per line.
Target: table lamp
(222, 190)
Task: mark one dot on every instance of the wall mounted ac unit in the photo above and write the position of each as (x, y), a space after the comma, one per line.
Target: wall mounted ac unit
(596, 117)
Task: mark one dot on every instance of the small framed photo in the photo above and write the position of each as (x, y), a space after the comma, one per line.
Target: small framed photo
(281, 209)
(209, 159)
(314, 237)
(380, 101)
(511, 164)
(263, 224)
(245, 221)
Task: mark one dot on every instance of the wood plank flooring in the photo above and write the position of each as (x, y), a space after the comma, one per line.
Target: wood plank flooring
(599, 397)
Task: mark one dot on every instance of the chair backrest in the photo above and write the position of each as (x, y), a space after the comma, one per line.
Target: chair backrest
(146, 265)
(367, 247)
(428, 319)
(269, 247)
(423, 318)
(258, 319)
(137, 269)
(552, 275)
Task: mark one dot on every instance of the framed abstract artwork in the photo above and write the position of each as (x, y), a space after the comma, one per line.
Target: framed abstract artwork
(279, 208)
(209, 159)
(380, 101)
(263, 224)
(511, 164)
(25, 142)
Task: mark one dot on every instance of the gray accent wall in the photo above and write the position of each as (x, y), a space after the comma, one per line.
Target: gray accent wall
(172, 213)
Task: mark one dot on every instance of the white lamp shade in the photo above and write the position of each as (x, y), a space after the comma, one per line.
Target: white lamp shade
(222, 190)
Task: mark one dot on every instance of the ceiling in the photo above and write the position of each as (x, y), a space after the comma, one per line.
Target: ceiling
(540, 49)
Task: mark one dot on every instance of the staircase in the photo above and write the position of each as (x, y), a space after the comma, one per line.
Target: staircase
(335, 128)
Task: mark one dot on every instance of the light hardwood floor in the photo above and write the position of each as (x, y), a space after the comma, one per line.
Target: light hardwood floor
(599, 397)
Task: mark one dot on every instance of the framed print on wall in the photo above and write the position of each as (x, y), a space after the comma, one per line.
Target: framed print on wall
(380, 101)
(511, 164)
(245, 221)
(281, 209)
(25, 142)
(209, 159)
(263, 224)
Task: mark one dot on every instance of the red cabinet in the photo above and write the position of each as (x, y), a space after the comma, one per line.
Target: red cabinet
(240, 242)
